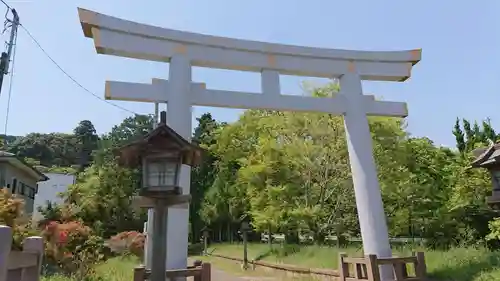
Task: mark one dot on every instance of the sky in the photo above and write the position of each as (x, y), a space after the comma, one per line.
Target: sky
(457, 76)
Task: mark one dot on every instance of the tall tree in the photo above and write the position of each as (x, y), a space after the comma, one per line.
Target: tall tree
(488, 131)
(87, 138)
(130, 129)
(202, 177)
(459, 136)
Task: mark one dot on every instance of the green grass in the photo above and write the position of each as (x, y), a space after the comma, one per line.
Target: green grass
(459, 264)
(115, 269)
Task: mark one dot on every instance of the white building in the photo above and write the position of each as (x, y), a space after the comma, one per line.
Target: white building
(49, 191)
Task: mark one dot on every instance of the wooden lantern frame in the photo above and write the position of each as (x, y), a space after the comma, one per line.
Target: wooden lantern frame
(162, 144)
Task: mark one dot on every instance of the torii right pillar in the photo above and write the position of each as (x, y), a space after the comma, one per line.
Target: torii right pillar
(371, 215)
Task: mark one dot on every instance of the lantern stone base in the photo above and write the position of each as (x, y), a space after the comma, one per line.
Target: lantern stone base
(181, 201)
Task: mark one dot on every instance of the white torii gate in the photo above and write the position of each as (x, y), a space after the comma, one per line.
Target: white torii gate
(114, 36)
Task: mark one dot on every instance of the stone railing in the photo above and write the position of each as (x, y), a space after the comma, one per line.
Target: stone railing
(22, 265)
(200, 271)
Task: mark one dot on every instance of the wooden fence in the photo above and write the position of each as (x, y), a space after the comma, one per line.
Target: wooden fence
(20, 265)
(200, 271)
(367, 268)
(351, 269)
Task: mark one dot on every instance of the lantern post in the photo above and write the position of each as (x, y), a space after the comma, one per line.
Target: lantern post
(245, 228)
(160, 156)
(205, 232)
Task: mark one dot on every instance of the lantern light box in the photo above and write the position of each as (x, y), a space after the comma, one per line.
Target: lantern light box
(161, 155)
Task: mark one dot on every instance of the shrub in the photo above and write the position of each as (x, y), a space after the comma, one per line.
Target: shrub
(12, 214)
(195, 249)
(72, 248)
(11, 208)
(128, 242)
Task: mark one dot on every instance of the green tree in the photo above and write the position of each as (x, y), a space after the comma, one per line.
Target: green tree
(87, 140)
(459, 136)
(202, 177)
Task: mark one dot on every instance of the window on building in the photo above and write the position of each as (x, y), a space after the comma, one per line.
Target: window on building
(22, 188)
(496, 179)
(2, 177)
(14, 185)
(30, 192)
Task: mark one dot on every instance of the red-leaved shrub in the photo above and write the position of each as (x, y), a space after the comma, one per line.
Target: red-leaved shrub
(71, 246)
(128, 242)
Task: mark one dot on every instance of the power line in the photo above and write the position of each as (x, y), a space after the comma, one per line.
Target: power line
(11, 81)
(60, 68)
(68, 75)
(7, 5)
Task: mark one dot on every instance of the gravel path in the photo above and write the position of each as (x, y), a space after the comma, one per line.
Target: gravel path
(219, 275)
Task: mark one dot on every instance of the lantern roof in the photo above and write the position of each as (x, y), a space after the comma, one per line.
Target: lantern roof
(161, 139)
(487, 157)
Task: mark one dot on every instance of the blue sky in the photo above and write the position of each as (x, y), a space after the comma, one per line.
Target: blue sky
(458, 74)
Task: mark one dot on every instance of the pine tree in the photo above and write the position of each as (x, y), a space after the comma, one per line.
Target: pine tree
(459, 136)
(488, 132)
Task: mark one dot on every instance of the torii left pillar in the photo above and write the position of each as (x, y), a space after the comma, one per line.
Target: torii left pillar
(179, 115)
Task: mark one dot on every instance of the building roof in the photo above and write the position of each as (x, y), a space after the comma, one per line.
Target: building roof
(21, 164)
(487, 156)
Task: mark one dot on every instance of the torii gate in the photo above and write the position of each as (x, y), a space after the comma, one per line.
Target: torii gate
(114, 36)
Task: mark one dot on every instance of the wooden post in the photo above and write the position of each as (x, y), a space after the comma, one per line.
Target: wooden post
(206, 272)
(270, 239)
(158, 265)
(205, 242)
(420, 267)
(343, 267)
(5, 244)
(245, 250)
(198, 265)
(33, 245)
(139, 273)
(373, 273)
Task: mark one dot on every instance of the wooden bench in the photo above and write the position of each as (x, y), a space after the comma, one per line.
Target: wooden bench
(367, 268)
(17, 265)
(200, 271)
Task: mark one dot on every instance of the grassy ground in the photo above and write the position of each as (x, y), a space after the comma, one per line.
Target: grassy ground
(460, 264)
(115, 269)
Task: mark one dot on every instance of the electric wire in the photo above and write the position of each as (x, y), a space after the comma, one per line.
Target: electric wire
(7, 5)
(11, 82)
(59, 67)
(68, 75)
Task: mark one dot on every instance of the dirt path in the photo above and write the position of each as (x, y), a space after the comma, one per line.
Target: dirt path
(219, 275)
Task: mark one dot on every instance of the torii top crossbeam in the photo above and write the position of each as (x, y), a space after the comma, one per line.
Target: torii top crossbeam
(114, 36)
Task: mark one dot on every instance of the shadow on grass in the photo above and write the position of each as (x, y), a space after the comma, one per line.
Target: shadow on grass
(280, 251)
(464, 268)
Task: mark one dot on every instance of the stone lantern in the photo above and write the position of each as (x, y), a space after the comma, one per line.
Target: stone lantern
(245, 228)
(160, 155)
(489, 158)
(205, 233)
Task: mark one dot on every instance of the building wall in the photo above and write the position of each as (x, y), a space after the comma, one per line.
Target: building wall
(49, 190)
(20, 183)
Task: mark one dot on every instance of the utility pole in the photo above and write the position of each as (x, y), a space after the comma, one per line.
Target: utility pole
(6, 56)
